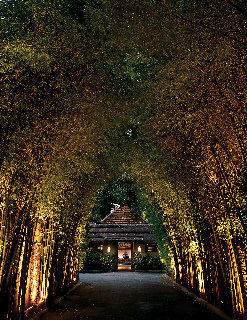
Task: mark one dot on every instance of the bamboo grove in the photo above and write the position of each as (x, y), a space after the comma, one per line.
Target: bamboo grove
(94, 90)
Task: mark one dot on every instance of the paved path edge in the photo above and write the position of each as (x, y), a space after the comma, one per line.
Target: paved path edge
(42, 310)
(203, 302)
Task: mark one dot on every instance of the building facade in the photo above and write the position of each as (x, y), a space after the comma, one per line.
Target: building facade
(123, 234)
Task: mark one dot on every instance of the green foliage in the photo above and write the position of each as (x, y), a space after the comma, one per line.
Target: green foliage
(187, 7)
(76, 8)
(153, 215)
(181, 5)
(120, 191)
(154, 1)
(16, 18)
(98, 261)
(148, 262)
(129, 72)
(92, 91)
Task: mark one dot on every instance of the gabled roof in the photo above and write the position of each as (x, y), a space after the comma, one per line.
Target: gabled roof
(121, 232)
(122, 225)
(123, 215)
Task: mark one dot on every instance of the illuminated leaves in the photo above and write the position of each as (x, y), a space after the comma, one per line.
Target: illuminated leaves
(129, 73)
(94, 91)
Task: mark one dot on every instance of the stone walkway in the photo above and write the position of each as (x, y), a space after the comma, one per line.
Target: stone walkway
(128, 296)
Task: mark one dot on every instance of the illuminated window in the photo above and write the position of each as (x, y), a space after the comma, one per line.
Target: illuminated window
(109, 249)
(100, 248)
(139, 249)
(151, 248)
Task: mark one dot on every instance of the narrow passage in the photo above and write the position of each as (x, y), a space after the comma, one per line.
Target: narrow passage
(128, 296)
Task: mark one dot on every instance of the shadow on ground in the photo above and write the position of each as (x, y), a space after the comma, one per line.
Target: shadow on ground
(128, 296)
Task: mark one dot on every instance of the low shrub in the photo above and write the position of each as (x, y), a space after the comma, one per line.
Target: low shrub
(148, 262)
(98, 261)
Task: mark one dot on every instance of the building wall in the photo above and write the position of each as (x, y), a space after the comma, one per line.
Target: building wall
(135, 245)
(142, 246)
(112, 246)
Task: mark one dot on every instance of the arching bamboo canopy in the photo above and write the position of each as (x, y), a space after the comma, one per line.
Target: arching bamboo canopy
(95, 91)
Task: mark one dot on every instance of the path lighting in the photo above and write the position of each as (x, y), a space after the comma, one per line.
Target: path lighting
(109, 249)
(139, 249)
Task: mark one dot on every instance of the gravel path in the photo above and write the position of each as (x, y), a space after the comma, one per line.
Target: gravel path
(128, 296)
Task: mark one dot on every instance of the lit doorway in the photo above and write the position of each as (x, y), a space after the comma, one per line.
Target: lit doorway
(124, 256)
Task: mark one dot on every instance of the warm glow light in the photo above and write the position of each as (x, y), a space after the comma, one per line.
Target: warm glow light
(29, 308)
(139, 249)
(35, 272)
(109, 249)
(41, 301)
(200, 277)
(124, 267)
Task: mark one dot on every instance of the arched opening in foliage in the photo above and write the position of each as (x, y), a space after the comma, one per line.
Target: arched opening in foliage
(124, 192)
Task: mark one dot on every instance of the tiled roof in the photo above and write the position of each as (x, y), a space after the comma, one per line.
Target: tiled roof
(118, 232)
(122, 225)
(123, 215)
